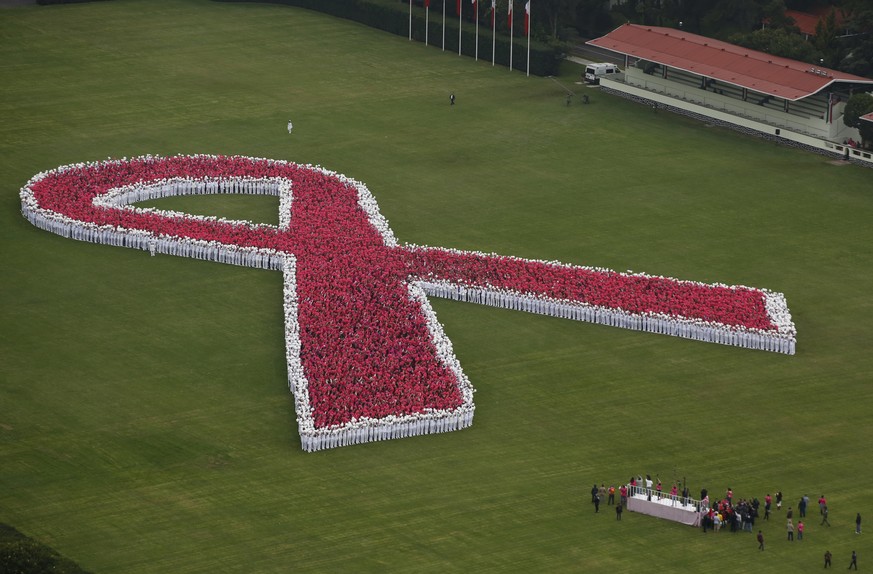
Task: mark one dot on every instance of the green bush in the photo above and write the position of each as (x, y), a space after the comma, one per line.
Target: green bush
(20, 554)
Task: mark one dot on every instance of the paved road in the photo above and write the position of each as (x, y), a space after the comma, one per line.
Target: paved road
(595, 54)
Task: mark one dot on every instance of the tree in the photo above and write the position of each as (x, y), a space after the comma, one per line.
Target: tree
(728, 16)
(555, 12)
(858, 40)
(773, 16)
(857, 106)
(592, 18)
(778, 42)
(825, 40)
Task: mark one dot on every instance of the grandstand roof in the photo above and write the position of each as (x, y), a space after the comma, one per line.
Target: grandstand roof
(868, 117)
(758, 71)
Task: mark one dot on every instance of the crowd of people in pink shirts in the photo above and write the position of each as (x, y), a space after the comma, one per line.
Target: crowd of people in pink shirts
(367, 358)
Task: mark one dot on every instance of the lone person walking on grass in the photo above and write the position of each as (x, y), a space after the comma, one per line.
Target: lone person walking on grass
(760, 540)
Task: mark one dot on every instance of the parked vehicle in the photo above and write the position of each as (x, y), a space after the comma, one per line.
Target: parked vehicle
(593, 72)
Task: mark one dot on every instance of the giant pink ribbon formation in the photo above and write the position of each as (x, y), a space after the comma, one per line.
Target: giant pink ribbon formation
(367, 359)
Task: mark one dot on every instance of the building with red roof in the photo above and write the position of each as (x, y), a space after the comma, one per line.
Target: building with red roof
(807, 22)
(734, 86)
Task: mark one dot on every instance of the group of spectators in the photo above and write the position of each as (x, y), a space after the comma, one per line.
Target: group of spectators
(367, 359)
(726, 513)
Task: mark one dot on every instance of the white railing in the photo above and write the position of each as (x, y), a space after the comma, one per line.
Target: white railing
(665, 498)
(767, 122)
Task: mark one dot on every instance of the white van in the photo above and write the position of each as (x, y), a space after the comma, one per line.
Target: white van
(593, 72)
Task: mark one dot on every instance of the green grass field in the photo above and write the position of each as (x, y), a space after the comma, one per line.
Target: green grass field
(145, 421)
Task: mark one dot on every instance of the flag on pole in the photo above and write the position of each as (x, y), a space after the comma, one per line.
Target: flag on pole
(426, 19)
(527, 32)
(458, 6)
(509, 16)
(493, 9)
(527, 18)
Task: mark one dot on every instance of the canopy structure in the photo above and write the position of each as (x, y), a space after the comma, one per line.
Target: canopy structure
(764, 73)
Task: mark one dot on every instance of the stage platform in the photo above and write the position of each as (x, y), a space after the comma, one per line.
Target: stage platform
(667, 508)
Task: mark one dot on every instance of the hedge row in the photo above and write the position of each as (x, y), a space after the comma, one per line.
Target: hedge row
(394, 18)
(20, 554)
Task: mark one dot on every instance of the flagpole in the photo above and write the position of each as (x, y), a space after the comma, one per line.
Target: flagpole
(494, 30)
(476, 15)
(410, 20)
(444, 26)
(511, 28)
(426, 20)
(527, 30)
(460, 11)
